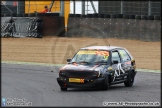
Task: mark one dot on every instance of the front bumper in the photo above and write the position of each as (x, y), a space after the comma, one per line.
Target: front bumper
(88, 83)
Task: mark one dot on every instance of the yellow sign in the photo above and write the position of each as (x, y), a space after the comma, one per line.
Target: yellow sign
(77, 80)
(105, 57)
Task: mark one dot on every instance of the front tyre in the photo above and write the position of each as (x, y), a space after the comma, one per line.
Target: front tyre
(130, 79)
(105, 85)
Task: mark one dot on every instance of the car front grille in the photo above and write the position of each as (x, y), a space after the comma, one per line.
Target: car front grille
(77, 74)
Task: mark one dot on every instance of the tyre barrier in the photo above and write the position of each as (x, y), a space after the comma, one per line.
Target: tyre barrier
(107, 16)
(150, 17)
(21, 27)
(82, 15)
(157, 17)
(101, 15)
(89, 15)
(138, 17)
(126, 16)
(95, 15)
(112, 16)
(119, 15)
(144, 17)
(131, 16)
(71, 15)
(77, 15)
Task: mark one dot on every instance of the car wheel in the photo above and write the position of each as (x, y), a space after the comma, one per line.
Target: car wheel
(63, 89)
(105, 85)
(130, 80)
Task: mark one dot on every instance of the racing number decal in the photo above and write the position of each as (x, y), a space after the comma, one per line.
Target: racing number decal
(117, 67)
(104, 53)
(105, 57)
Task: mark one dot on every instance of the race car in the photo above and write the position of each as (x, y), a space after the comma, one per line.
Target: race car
(98, 67)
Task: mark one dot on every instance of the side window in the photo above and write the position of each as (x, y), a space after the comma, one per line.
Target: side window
(124, 55)
(115, 56)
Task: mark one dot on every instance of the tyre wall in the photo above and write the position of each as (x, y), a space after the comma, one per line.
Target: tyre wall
(139, 27)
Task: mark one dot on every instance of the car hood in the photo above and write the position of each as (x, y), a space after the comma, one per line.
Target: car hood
(83, 67)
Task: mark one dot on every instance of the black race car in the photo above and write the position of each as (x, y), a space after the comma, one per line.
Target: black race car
(99, 67)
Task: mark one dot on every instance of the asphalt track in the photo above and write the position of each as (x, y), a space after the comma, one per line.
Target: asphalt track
(38, 84)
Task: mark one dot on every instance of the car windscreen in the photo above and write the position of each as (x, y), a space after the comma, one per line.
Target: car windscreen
(91, 56)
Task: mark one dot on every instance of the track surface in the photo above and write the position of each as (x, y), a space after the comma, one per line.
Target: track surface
(38, 84)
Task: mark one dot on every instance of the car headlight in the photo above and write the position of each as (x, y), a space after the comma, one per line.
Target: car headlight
(100, 74)
(96, 74)
(61, 73)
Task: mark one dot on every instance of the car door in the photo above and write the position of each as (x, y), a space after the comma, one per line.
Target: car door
(126, 61)
(118, 72)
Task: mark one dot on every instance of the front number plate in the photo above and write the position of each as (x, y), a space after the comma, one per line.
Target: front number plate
(77, 80)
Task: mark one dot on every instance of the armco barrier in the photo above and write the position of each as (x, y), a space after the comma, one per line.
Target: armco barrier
(139, 27)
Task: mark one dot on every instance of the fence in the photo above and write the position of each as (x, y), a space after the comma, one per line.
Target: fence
(130, 7)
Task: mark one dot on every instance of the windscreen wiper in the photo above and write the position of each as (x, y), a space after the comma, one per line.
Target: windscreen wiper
(84, 62)
(73, 62)
(100, 62)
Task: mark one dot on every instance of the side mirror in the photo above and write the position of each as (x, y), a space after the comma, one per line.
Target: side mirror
(115, 61)
(69, 59)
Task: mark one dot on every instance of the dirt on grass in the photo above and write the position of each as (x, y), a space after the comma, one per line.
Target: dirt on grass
(56, 50)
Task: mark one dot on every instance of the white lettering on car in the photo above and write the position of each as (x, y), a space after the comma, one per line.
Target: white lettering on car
(118, 69)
